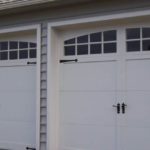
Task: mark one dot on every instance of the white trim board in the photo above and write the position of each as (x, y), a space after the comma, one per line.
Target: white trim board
(36, 27)
(52, 120)
(124, 15)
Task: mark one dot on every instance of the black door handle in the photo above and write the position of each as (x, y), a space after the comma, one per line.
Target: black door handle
(123, 108)
(118, 107)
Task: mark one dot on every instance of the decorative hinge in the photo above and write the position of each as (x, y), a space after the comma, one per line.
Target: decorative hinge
(68, 60)
(30, 148)
(31, 63)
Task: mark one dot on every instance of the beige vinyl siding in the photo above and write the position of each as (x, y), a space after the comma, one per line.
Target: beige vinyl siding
(43, 107)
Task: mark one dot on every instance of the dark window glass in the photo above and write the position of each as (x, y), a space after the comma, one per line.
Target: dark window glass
(82, 49)
(23, 44)
(13, 45)
(133, 46)
(133, 33)
(70, 41)
(110, 48)
(69, 50)
(32, 53)
(23, 54)
(146, 45)
(4, 45)
(4, 55)
(95, 48)
(32, 45)
(110, 35)
(82, 39)
(13, 55)
(146, 32)
(96, 37)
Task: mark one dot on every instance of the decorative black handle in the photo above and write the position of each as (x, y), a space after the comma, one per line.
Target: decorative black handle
(68, 60)
(118, 107)
(123, 107)
(30, 148)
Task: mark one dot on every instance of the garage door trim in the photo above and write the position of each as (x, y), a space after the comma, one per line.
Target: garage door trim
(37, 28)
(53, 63)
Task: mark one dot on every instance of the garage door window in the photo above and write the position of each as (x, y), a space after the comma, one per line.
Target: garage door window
(93, 43)
(138, 39)
(15, 50)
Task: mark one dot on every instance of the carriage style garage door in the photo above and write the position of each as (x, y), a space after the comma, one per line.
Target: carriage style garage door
(17, 95)
(105, 90)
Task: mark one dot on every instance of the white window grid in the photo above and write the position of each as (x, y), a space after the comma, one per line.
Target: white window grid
(102, 42)
(141, 39)
(18, 49)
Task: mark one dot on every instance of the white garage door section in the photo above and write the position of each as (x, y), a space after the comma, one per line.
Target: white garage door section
(89, 88)
(17, 101)
(86, 106)
(135, 125)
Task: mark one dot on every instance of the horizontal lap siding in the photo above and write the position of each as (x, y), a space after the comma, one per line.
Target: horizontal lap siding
(43, 107)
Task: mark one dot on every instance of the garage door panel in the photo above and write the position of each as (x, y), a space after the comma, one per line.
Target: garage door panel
(87, 137)
(17, 106)
(135, 138)
(87, 107)
(138, 103)
(87, 93)
(89, 76)
(138, 70)
(19, 132)
(20, 78)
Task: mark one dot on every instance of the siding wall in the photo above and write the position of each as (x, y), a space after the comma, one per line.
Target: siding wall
(63, 13)
(43, 107)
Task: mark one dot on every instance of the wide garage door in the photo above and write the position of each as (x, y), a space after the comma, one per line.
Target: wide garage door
(17, 95)
(104, 90)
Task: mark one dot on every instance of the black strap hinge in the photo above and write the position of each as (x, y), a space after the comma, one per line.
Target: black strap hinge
(31, 63)
(30, 148)
(68, 60)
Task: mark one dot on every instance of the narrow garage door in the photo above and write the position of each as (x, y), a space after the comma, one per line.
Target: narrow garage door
(17, 97)
(134, 124)
(106, 73)
(88, 92)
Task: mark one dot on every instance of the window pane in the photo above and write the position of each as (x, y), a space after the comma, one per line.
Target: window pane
(69, 50)
(110, 48)
(70, 41)
(32, 45)
(82, 39)
(96, 37)
(110, 35)
(95, 48)
(4, 55)
(146, 32)
(4, 45)
(23, 54)
(33, 53)
(23, 44)
(146, 45)
(13, 45)
(82, 49)
(133, 33)
(13, 55)
(133, 46)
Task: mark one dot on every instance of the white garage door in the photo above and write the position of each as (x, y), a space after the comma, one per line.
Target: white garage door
(103, 70)
(17, 95)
